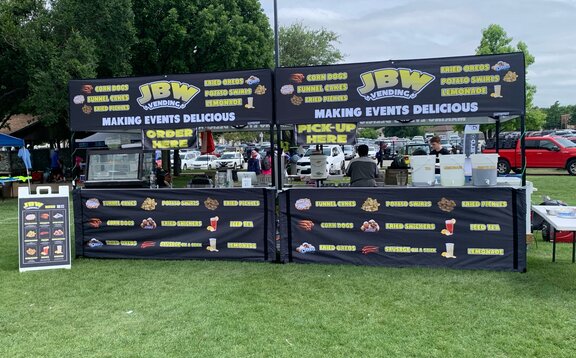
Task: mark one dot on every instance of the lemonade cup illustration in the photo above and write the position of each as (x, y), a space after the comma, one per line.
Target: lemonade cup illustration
(450, 250)
(212, 244)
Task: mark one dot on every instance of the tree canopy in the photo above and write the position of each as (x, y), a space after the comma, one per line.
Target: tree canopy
(302, 46)
(44, 44)
(494, 41)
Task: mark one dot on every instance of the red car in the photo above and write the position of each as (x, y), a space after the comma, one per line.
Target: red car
(541, 152)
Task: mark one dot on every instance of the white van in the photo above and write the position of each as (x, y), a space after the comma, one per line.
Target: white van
(335, 162)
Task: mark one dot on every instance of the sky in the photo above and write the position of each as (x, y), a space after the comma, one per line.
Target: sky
(381, 30)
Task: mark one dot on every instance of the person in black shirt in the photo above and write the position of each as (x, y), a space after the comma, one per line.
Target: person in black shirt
(362, 171)
(163, 179)
(437, 149)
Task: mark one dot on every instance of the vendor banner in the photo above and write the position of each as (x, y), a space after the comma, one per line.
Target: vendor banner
(175, 224)
(326, 133)
(173, 101)
(169, 138)
(403, 91)
(463, 228)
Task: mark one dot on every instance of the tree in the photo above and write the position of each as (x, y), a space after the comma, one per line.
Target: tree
(76, 59)
(42, 47)
(113, 34)
(555, 112)
(553, 115)
(182, 36)
(244, 136)
(494, 41)
(402, 131)
(24, 46)
(302, 46)
(370, 133)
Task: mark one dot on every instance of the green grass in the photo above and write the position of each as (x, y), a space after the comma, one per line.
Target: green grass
(562, 187)
(149, 308)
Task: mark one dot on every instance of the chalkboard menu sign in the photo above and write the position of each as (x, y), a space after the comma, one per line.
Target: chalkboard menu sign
(44, 235)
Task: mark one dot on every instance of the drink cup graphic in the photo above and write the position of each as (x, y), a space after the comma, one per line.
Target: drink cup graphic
(58, 250)
(214, 222)
(45, 250)
(450, 226)
(250, 103)
(212, 244)
(497, 92)
(450, 249)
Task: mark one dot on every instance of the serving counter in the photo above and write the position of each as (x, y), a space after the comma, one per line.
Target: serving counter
(230, 224)
(462, 227)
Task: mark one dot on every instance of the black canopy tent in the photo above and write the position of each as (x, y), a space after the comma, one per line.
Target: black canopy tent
(452, 90)
(413, 92)
(330, 225)
(172, 102)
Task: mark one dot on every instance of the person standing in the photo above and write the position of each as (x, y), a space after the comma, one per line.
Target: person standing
(383, 153)
(163, 178)
(266, 164)
(437, 149)
(362, 170)
(56, 171)
(254, 163)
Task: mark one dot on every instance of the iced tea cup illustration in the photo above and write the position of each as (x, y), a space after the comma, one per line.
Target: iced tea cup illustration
(449, 249)
(450, 226)
(214, 222)
(212, 244)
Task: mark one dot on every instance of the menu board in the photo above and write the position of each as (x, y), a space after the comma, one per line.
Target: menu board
(175, 224)
(171, 102)
(465, 228)
(407, 91)
(44, 236)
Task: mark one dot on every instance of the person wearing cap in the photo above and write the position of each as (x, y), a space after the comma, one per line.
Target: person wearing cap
(362, 171)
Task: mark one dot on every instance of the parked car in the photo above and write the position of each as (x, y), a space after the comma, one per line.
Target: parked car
(204, 162)
(187, 158)
(372, 150)
(446, 144)
(541, 152)
(335, 162)
(349, 151)
(230, 160)
(410, 149)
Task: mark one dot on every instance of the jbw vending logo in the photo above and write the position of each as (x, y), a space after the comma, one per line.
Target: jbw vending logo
(166, 94)
(393, 82)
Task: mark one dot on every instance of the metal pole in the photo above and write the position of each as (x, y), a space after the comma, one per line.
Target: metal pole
(497, 135)
(523, 148)
(280, 171)
(276, 41)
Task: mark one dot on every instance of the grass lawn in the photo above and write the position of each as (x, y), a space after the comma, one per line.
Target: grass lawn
(153, 308)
